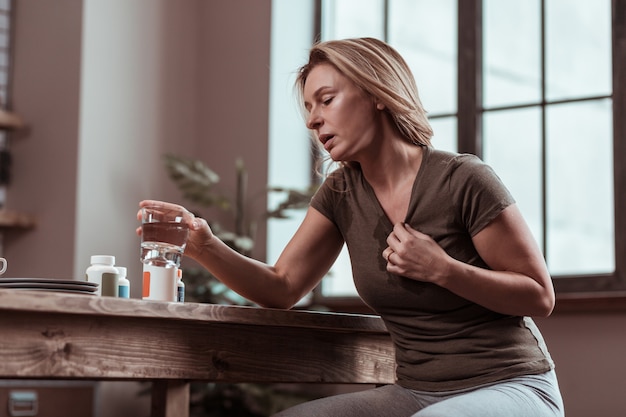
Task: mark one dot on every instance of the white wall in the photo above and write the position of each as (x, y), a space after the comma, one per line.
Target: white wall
(138, 101)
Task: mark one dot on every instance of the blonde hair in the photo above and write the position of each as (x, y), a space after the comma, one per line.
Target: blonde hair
(380, 71)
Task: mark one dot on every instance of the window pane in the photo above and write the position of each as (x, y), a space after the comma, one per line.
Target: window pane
(512, 52)
(339, 282)
(578, 48)
(289, 160)
(512, 146)
(580, 188)
(352, 18)
(445, 133)
(425, 33)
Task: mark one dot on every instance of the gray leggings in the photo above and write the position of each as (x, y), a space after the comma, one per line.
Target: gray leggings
(530, 395)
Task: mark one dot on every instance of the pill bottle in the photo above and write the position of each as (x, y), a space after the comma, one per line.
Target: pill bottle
(180, 286)
(123, 283)
(159, 282)
(102, 272)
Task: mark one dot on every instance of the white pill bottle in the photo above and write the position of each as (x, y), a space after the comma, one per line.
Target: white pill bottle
(103, 272)
(123, 282)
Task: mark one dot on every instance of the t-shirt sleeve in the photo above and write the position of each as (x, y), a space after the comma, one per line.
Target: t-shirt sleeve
(325, 198)
(479, 192)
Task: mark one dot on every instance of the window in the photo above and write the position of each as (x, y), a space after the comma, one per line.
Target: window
(5, 50)
(533, 92)
(547, 92)
(562, 87)
(289, 157)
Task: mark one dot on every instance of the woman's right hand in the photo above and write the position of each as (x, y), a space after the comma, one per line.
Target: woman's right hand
(200, 234)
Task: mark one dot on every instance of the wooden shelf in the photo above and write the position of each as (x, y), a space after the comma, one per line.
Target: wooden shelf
(10, 121)
(15, 219)
(11, 219)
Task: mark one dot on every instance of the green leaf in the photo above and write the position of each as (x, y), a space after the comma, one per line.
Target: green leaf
(196, 181)
(296, 199)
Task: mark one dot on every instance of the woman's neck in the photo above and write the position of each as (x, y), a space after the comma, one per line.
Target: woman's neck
(396, 163)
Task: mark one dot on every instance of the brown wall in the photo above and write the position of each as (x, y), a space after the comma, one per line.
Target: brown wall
(46, 87)
(588, 350)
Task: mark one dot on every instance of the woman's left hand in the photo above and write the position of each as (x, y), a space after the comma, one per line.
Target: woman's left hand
(415, 255)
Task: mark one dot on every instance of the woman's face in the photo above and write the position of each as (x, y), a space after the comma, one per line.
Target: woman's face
(343, 117)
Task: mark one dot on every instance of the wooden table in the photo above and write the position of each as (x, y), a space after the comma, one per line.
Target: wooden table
(48, 335)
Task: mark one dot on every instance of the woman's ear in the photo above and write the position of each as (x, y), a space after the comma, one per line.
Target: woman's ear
(380, 106)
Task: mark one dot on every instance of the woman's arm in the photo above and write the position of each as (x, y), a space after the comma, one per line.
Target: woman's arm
(518, 284)
(303, 263)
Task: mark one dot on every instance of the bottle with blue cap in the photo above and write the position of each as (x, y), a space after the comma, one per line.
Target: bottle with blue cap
(180, 286)
(123, 283)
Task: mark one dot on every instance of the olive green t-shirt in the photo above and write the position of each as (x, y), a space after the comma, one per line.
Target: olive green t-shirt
(442, 341)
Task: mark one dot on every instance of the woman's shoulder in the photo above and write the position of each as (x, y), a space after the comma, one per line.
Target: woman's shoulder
(453, 159)
(343, 178)
(338, 187)
(453, 163)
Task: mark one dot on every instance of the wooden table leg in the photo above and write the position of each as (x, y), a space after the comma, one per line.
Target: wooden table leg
(170, 398)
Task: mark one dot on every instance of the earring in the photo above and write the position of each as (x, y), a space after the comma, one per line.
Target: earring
(380, 106)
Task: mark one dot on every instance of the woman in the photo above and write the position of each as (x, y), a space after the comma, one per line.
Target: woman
(438, 248)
